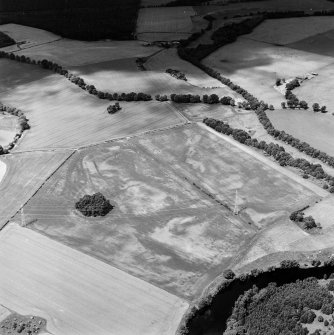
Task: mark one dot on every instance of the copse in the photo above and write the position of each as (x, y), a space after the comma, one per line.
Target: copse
(94, 205)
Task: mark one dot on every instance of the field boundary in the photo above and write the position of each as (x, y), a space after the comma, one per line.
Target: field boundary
(314, 188)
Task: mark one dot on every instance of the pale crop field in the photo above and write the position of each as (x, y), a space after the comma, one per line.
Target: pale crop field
(163, 229)
(22, 175)
(165, 23)
(313, 128)
(8, 129)
(77, 294)
(255, 66)
(61, 115)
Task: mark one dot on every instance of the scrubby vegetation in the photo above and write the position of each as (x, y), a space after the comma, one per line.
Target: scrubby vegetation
(84, 19)
(94, 205)
(19, 324)
(280, 310)
(176, 74)
(306, 222)
(274, 150)
(5, 40)
(112, 109)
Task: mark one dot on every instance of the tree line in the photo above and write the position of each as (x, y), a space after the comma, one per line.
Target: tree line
(271, 149)
(258, 106)
(22, 123)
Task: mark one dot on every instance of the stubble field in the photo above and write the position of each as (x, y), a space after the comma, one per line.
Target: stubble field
(78, 294)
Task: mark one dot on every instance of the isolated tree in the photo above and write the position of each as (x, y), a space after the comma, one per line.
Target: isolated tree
(323, 109)
(278, 82)
(316, 107)
(283, 104)
(229, 274)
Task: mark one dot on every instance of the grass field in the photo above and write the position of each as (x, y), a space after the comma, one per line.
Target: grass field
(164, 24)
(61, 115)
(24, 174)
(315, 129)
(165, 228)
(291, 30)
(8, 129)
(262, 64)
(242, 8)
(78, 294)
(26, 37)
(77, 53)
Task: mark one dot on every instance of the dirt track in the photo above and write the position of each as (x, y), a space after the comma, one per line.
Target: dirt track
(78, 294)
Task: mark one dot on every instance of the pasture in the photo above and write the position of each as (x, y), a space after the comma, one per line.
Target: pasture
(78, 294)
(165, 23)
(61, 115)
(172, 224)
(313, 128)
(257, 69)
(123, 75)
(22, 175)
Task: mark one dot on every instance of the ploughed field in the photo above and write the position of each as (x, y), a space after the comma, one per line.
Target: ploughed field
(173, 223)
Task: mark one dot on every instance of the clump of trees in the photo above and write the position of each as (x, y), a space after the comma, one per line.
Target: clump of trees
(229, 274)
(161, 98)
(306, 222)
(112, 109)
(176, 74)
(94, 205)
(279, 310)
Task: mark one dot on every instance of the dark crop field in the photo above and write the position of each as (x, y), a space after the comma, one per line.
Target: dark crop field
(77, 19)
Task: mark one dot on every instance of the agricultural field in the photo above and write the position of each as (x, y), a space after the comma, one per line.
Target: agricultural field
(78, 294)
(313, 128)
(61, 115)
(123, 75)
(172, 224)
(22, 175)
(263, 63)
(243, 8)
(78, 53)
(8, 129)
(26, 37)
(165, 23)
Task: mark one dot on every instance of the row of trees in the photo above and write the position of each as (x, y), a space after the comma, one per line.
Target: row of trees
(259, 106)
(22, 123)
(274, 150)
